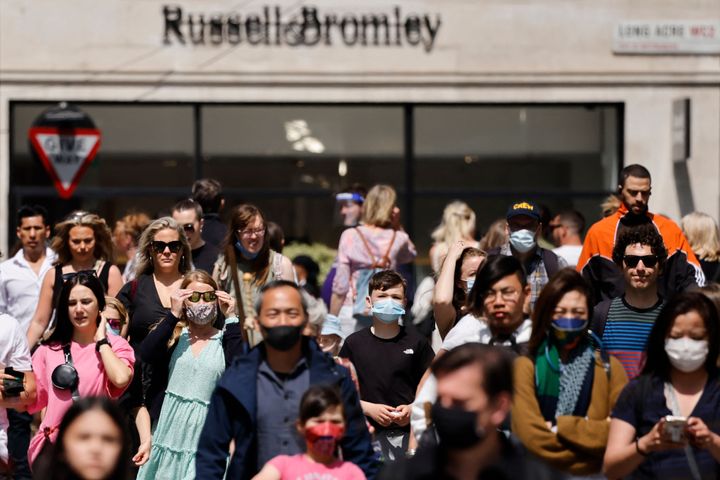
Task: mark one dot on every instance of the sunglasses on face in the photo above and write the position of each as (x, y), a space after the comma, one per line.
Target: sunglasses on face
(206, 296)
(189, 227)
(159, 247)
(115, 323)
(648, 260)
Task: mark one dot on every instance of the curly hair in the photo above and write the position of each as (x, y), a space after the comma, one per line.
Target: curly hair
(644, 234)
(103, 236)
(145, 254)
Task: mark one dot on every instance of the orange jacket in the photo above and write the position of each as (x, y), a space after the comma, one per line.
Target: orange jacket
(681, 270)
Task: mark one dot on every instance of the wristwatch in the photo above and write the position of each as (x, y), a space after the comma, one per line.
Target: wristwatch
(100, 343)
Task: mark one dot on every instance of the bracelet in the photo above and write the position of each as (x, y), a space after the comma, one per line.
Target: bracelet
(410, 453)
(637, 447)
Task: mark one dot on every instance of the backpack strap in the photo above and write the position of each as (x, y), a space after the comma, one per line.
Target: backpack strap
(550, 260)
(367, 247)
(277, 265)
(599, 320)
(384, 262)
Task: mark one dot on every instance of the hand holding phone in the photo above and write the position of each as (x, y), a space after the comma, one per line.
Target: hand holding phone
(674, 429)
(13, 382)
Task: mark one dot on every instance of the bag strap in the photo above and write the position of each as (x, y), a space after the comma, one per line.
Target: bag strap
(551, 262)
(384, 262)
(675, 407)
(367, 247)
(69, 361)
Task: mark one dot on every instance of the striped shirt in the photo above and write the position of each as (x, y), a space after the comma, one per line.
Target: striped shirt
(626, 332)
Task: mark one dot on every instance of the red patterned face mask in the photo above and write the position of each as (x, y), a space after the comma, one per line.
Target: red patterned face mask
(323, 437)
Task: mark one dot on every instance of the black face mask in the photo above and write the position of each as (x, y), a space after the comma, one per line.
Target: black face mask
(456, 428)
(282, 338)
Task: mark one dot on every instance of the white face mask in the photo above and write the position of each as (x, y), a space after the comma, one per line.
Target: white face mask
(522, 240)
(686, 354)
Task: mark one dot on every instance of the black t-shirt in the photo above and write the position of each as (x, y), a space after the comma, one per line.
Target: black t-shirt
(204, 257)
(214, 230)
(388, 370)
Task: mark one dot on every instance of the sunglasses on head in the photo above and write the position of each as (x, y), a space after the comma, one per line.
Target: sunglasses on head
(633, 260)
(206, 296)
(84, 273)
(175, 246)
(189, 227)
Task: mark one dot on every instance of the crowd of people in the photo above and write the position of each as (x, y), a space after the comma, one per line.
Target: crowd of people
(536, 351)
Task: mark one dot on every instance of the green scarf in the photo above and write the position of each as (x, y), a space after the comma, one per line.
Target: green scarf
(552, 376)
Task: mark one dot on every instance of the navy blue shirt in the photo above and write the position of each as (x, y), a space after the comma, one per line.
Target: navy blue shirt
(643, 406)
(278, 405)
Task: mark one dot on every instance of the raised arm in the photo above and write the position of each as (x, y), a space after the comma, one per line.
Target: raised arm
(43, 311)
(443, 308)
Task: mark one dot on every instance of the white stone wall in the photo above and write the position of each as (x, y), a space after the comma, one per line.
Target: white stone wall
(490, 51)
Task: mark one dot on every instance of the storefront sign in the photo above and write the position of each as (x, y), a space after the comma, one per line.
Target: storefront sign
(66, 141)
(309, 27)
(668, 37)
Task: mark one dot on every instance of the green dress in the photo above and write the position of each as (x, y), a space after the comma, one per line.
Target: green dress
(191, 383)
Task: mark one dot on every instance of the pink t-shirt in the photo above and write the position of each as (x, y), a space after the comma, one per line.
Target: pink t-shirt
(299, 467)
(93, 382)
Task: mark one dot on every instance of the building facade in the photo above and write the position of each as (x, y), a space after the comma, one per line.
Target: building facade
(289, 102)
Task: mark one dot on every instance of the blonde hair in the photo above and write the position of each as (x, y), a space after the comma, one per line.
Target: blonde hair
(702, 234)
(145, 254)
(458, 223)
(113, 302)
(103, 236)
(495, 236)
(379, 205)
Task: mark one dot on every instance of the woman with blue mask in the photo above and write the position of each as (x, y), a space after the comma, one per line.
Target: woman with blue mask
(666, 423)
(248, 263)
(565, 389)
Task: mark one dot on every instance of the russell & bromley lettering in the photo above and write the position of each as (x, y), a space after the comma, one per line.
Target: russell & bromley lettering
(308, 27)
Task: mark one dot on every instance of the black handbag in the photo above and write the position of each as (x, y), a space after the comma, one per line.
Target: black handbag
(65, 376)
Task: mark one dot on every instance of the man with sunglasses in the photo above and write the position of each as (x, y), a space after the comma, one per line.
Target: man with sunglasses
(624, 323)
(682, 269)
(189, 214)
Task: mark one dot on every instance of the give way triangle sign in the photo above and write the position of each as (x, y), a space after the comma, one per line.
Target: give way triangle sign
(65, 150)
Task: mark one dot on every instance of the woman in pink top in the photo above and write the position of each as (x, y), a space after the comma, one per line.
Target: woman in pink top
(379, 243)
(322, 424)
(79, 359)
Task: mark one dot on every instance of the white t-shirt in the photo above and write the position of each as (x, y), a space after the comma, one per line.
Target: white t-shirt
(472, 329)
(14, 353)
(571, 253)
(20, 286)
(469, 329)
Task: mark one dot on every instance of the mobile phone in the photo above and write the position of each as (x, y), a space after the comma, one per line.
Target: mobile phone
(673, 429)
(13, 387)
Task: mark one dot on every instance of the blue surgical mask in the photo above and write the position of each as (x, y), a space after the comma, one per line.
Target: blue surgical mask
(523, 240)
(567, 329)
(244, 251)
(470, 282)
(387, 311)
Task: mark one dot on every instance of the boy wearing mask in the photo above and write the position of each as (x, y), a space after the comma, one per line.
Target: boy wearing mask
(390, 361)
